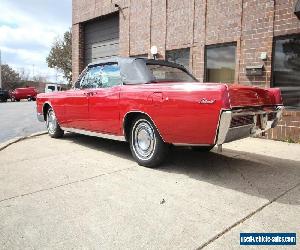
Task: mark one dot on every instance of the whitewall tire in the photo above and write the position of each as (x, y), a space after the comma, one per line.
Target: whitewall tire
(146, 145)
(53, 127)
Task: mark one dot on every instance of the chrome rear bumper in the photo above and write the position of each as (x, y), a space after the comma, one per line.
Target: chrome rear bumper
(261, 123)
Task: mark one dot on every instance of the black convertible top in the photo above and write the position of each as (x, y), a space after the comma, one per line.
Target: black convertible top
(134, 70)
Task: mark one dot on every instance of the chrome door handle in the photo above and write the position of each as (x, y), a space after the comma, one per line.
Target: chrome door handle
(88, 93)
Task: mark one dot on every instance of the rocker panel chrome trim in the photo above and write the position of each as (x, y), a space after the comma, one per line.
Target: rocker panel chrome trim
(191, 145)
(96, 134)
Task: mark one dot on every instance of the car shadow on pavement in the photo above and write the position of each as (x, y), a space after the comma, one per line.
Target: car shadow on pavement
(253, 174)
(116, 148)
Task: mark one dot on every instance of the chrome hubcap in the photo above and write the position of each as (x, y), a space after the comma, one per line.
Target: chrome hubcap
(143, 140)
(51, 122)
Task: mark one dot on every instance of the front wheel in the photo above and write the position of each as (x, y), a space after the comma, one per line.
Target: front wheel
(146, 145)
(53, 127)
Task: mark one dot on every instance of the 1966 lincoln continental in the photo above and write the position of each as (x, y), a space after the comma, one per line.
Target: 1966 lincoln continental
(153, 104)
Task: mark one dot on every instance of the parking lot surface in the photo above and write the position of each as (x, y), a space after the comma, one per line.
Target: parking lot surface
(85, 192)
(18, 119)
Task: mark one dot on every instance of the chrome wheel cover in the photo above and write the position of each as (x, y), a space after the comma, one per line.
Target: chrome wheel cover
(51, 122)
(143, 140)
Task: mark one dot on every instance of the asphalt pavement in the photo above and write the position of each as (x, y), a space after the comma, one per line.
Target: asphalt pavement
(82, 192)
(18, 119)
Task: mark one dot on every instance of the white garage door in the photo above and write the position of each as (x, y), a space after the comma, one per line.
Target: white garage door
(101, 38)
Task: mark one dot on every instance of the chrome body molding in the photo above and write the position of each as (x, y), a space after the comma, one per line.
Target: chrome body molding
(191, 145)
(96, 134)
(40, 117)
(228, 134)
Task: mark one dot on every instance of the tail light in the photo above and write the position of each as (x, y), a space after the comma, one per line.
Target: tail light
(276, 94)
(225, 98)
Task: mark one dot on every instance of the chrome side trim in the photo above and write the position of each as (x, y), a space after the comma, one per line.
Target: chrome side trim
(224, 124)
(40, 117)
(191, 145)
(96, 134)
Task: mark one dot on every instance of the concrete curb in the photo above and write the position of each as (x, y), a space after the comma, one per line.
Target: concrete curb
(15, 140)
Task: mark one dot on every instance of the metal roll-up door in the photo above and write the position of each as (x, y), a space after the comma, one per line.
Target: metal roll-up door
(101, 38)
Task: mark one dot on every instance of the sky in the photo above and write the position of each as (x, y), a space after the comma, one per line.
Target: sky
(28, 28)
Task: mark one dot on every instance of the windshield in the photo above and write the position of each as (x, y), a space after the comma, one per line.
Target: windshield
(164, 73)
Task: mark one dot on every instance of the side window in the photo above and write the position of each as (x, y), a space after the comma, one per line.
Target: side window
(101, 76)
(111, 75)
(92, 78)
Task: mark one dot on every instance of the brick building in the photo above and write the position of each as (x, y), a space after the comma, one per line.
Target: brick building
(253, 42)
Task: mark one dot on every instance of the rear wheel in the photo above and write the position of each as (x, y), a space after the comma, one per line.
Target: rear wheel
(147, 147)
(53, 127)
(17, 100)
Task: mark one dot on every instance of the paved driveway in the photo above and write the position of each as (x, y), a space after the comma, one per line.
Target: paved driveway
(88, 193)
(18, 119)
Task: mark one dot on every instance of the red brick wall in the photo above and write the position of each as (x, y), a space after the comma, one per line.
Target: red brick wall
(158, 26)
(179, 24)
(77, 50)
(288, 129)
(285, 22)
(257, 37)
(173, 24)
(140, 12)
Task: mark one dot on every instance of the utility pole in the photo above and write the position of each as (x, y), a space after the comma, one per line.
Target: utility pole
(32, 71)
(0, 71)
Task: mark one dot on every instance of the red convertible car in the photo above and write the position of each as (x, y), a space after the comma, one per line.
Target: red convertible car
(153, 104)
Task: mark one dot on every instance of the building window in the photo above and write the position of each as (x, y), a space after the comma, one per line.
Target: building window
(220, 63)
(286, 69)
(180, 56)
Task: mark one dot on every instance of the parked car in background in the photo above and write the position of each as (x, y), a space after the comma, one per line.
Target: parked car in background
(28, 93)
(53, 88)
(4, 95)
(153, 104)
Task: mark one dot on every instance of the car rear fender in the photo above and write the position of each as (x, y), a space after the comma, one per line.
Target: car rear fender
(129, 118)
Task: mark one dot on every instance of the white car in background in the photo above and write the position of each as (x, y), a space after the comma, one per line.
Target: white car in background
(53, 88)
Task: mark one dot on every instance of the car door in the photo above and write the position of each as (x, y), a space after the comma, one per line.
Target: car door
(104, 113)
(76, 102)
